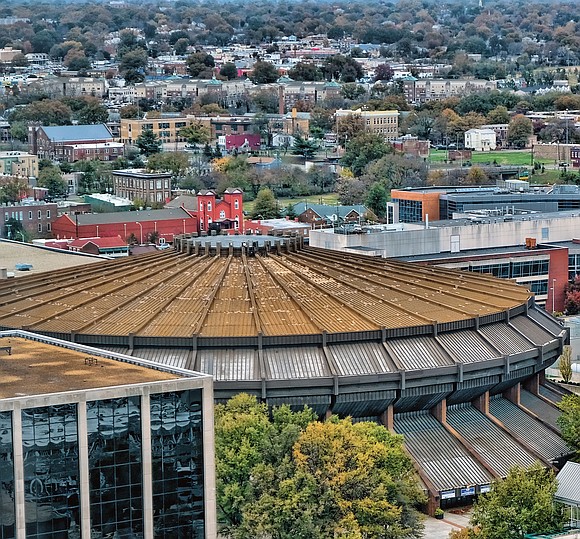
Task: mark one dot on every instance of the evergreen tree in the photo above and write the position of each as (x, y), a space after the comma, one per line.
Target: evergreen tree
(148, 142)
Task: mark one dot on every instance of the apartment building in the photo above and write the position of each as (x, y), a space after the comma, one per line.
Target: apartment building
(419, 91)
(379, 122)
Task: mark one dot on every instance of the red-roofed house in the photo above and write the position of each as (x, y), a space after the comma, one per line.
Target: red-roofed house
(111, 246)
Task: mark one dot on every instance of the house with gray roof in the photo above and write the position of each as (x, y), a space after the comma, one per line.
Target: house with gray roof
(328, 214)
(58, 142)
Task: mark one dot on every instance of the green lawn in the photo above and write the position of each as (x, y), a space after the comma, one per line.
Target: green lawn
(327, 198)
(504, 157)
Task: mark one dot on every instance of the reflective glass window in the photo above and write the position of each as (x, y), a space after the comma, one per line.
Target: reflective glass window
(7, 516)
(51, 471)
(114, 435)
(177, 465)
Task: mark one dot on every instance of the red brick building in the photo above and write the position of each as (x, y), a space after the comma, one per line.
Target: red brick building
(166, 223)
(220, 214)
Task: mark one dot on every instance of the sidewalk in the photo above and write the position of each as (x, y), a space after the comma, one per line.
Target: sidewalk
(440, 529)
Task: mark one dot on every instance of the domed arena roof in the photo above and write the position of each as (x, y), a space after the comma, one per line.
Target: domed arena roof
(300, 292)
(436, 355)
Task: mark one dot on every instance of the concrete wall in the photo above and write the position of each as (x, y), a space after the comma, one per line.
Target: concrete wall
(438, 240)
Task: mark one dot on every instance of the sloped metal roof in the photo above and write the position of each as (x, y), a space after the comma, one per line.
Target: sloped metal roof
(360, 358)
(230, 364)
(495, 447)
(531, 330)
(541, 408)
(506, 339)
(467, 346)
(72, 133)
(569, 484)
(540, 438)
(419, 353)
(294, 363)
(440, 455)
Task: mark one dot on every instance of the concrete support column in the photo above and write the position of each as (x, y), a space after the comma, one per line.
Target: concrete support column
(84, 483)
(146, 465)
(513, 394)
(18, 455)
(209, 486)
(481, 403)
(440, 411)
(387, 418)
(532, 384)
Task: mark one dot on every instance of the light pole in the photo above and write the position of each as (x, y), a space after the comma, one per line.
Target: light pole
(553, 295)
(141, 228)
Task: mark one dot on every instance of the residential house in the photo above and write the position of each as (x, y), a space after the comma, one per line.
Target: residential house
(113, 246)
(322, 215)
(480, 140)
(36, 218)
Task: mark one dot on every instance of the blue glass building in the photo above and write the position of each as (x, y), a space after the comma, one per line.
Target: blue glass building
(88, 459)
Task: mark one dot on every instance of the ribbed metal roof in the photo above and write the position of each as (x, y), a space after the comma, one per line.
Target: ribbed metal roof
(495, 447)
(445, 462)
(174, 357)
(540, 438)
(552, 396)
(235, 365)
(170, 294)
(467, 346)
(294, 363)
(360, 358)
(418, 353)
(541, 408)
(569, 484)
(506, 339)
(545, 320)
(533, 332)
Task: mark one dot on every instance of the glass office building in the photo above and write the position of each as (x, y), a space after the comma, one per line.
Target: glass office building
(134, 461)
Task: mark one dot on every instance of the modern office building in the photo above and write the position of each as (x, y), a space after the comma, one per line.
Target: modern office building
(95, 444)
(415, 205)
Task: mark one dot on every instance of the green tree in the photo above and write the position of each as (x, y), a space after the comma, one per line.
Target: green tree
(306, 71)
(133, 65)
(569, 420)
(200, 65)
(19, 131)
(51, 178)
(522, 503)
(229, 71)
(290, 212)
(264, 73)
(265, 205)
(45, 112)
(343, 68)
(148, 142)
(93, 112)
(499, 115)
(12, 190)
(196, 133)
(362, 150)
(342, 480)
(245, 438)
(175, 162)
(565, 364)
(304, 147)
(377, 200)
(519, 130)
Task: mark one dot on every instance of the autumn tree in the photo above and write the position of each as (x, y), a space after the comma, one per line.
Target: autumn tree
(498, 115)
(175, 162)
(572, 299)
(44, 112)
(522, 503)
(341, 480)
(565, 364)
(265, 205)
(245, 438)
(196, 133)
(519, 131)
(12, 190)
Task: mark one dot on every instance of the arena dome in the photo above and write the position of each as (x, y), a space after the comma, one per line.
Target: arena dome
(452, 360)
